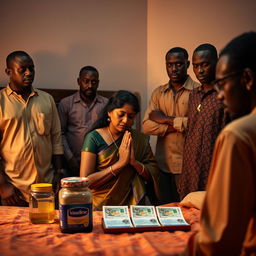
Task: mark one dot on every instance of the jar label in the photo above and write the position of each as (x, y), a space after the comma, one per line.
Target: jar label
(76, 216)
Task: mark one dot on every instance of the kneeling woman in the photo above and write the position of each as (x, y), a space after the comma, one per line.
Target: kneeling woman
(117, 159)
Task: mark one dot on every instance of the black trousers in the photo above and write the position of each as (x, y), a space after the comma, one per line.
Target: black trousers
(168, 188)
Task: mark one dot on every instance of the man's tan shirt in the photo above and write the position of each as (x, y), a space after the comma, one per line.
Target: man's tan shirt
(169, 147)
(30, 134)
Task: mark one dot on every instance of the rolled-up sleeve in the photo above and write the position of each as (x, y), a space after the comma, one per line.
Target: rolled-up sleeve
(180, 123)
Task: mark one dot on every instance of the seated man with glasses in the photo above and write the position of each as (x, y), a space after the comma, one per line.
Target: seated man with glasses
(77, 114)
(228, 218)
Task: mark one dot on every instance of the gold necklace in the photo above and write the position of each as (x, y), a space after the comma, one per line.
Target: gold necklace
(117, 148)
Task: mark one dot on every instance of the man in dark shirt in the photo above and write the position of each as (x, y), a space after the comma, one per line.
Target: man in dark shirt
(205, 121)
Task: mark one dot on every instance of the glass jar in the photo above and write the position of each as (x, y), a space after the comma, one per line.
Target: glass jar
(41, 203)
(75, 205)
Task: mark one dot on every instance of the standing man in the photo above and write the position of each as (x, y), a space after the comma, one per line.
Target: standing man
(228, 218)
(30, 133)
(77, 114)
(166, 117)
(205, 120)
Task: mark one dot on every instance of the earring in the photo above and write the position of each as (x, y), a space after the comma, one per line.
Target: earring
(108, 119)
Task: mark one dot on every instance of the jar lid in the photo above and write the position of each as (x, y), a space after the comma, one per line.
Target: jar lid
(41, 187)
(72, 182)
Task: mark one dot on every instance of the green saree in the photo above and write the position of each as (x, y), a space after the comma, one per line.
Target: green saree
(128, 187)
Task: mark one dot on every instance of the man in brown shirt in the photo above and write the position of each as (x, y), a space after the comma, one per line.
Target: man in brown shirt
(228, 218)
(166, 117)
(205, 121)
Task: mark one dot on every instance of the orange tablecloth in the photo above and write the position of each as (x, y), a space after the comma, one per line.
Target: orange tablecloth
(19, 237)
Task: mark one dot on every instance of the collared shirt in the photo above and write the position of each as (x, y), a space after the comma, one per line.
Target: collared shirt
(228, 218)
(30, 134)
(76, 119)
(169, 147)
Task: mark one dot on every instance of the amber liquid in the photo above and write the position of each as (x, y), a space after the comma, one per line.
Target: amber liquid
(41, 211)
(42, 218)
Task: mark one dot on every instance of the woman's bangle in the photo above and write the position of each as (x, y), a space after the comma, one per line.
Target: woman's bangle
(143, 169)
(111, 170)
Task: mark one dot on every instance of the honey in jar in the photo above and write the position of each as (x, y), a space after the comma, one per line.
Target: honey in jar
(41, 203)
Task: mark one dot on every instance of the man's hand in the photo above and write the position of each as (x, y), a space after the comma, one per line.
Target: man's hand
(159, 117)
(11, 196)
(59, 172)
(171, 129)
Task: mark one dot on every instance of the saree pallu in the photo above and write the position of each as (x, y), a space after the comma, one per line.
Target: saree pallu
(128, 187)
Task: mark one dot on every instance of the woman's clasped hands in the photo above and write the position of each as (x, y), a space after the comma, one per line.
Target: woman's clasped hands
(126, 150)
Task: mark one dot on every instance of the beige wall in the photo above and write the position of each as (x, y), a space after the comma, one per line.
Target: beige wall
(125, 39)
(189, 23)
(64, 35)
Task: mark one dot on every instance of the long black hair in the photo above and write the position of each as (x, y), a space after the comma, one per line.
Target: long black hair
(117, 100)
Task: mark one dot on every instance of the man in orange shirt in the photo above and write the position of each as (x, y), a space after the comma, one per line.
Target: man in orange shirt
(228, 218)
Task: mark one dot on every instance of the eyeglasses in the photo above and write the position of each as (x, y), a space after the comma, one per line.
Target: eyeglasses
(218, 86)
